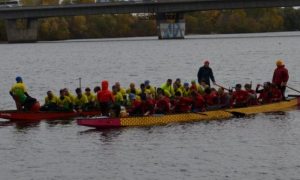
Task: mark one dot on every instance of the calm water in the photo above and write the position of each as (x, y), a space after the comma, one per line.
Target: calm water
(264, 146)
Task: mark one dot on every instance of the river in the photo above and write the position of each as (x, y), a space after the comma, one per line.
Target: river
(263, 146)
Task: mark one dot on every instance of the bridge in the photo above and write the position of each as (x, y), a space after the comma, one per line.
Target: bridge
(159, 7)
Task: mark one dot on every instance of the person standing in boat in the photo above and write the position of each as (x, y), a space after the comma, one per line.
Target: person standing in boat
(107, 100)
(19, 93)
(281, 77)
(205, 72)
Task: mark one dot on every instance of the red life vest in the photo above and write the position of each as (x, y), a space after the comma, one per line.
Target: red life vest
(183, 104)
(163, 104)
(199, 102)
(209, 99)
(145, 107)
(240, 97)
(276, 96)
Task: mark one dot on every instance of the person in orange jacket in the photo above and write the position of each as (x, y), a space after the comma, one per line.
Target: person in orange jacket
(107, 100)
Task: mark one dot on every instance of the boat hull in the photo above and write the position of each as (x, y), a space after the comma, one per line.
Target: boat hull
(184, 117)
(15, 115)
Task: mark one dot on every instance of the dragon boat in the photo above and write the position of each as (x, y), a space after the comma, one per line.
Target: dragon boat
(156, 119)
(40, 115)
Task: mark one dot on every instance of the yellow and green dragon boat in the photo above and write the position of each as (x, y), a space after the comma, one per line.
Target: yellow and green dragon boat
(104, 122)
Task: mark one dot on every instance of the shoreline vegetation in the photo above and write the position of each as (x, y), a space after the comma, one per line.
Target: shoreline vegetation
(128, 25)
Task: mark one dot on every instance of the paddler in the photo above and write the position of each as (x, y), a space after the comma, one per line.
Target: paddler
(64, 103)
(135, 104)
(80, 102)
(210, 99)
(162, 105)
(146, 106)
(107, 100)
(178, 82)
(168, 86)
(241, 97)
(96, 104)
(68, 94)
(50, 102)
(144, 89)
(253, 100)
(224, 99)
(152, 89)
(202, 86)
(133, 90)
(165, 92)
(198, 103)
(264, 95)
(281, 77)
(90, 96)
(180, 104)
(19, 93)
(121, 90)
(276, 93)
(186, 92)
(118, 96)
(176, 89)
(206, 73)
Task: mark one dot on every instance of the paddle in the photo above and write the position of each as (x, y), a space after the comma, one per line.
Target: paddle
(292, 88)
(221, 87)
(80, 83)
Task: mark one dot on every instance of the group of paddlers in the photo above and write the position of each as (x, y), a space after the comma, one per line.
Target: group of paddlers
(171, 97)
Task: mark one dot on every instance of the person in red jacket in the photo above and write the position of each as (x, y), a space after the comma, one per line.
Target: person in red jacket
(162, 105)
(135, 104)
(240, 97)
(107, 100)
(276, 93)
(253, 100)
(265, 96)
(181, 104)
(280, 77)
(211, 99)
(198, 103)
(146, 106)
(224, 99)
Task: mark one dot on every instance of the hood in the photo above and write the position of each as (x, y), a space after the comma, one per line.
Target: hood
(104, 85)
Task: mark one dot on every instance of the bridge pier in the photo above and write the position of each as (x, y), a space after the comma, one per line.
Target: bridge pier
(170, 26)
(21, 35)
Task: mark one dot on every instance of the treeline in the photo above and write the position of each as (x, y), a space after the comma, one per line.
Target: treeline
(127, 25)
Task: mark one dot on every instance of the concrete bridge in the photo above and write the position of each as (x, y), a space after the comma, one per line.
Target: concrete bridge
(159, 7)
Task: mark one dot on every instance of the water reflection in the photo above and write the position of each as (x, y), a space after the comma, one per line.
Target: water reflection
(21, 124)
(106, 134)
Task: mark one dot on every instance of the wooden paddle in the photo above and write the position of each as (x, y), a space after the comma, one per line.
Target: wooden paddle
(292, 88)
(222, 87)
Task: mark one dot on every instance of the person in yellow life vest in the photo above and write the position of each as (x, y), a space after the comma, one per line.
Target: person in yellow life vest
(80, 102)
(50, 102)
(186, 92)
(19, 93)
(178, 82)
(96, 104)
(118, 96)
(176, 89)
(144, 90)
(201, 88)
(168, 86)
(165, 92)
(133, 90)
(68, 94)
(152, 89)
(64, 103)
(90, 96)
(121, 90)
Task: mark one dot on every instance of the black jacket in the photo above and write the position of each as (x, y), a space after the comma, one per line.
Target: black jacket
(206, 73)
